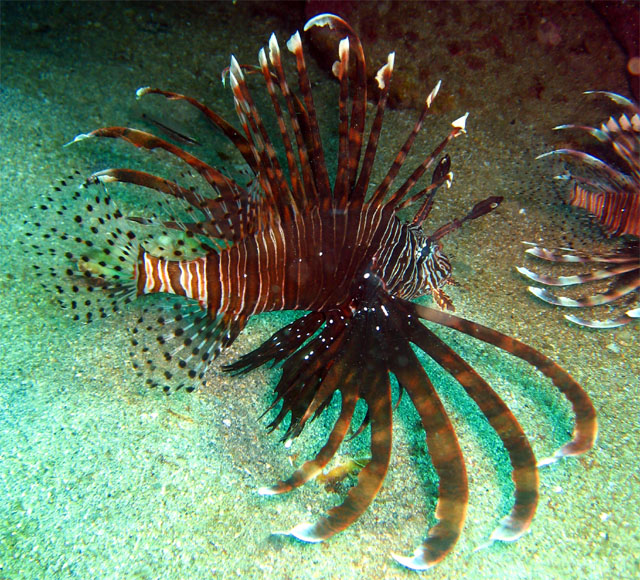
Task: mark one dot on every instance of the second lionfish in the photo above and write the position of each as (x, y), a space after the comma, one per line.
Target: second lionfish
(293, 239)
(608, 188)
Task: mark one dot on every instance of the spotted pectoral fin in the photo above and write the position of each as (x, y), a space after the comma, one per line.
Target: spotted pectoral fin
(95, 248)
(315, 368)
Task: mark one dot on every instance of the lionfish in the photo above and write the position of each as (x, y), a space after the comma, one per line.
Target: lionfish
(611, 193)
(290, 240)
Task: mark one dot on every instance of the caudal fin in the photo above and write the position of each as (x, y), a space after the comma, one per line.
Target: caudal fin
(87, 253)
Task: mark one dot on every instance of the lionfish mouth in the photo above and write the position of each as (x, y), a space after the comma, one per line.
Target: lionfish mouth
(293, 239)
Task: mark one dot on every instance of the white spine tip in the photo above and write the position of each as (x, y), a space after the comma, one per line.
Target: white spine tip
(415, 562)
(380, 74)
(433, 93)
(548, 460)
(235, 69)
(142, 91)
(294, 43)
(482, 546)
(305, 533)
(461, 123)
(274, 49)
(505, 533)
(343, 48)
(266, 491)
(77, 138)
(262, 57)
(320, 20)
(103, 176)
(633, 313)
(538, 292)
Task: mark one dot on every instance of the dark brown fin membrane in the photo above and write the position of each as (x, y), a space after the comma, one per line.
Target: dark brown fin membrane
(339, 376)
(370, 478)
(303, 387)
(313, 467)
(366, 374)
(365, 347)
(280, 346)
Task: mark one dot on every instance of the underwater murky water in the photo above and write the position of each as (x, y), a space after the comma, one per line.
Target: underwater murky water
(102, 478)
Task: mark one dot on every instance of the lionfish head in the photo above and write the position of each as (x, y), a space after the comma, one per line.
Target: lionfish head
(434, 268)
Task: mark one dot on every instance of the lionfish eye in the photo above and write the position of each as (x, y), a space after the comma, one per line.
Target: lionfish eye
(425, 251)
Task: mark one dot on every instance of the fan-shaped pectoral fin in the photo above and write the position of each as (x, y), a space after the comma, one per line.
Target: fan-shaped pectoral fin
(371, 477)
(586, 424)
(523, 461)
(313, 467)
(446, 457)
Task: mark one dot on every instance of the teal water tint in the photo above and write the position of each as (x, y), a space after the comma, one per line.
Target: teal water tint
(102, 478)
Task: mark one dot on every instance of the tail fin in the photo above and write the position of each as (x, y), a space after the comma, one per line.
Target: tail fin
(96, 264)
(99, 247)
(96, 250)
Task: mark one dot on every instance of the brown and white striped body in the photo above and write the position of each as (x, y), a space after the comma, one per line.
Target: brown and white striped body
(315, 261)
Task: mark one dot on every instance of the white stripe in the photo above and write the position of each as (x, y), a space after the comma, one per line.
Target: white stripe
(149, 282)
(264, 295)
(205, 286)
(242, 281)
(163, 274)
(284, 262)
(256, 309)
(185, 278)
(278, 278)
(297, 262)
(220, 277)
